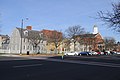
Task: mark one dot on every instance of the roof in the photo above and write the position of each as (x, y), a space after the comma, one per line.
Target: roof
(5, 39)
(29, 33)
(87, 35)
(4, 36)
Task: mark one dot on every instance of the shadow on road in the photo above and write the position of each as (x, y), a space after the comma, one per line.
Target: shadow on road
(106, 59)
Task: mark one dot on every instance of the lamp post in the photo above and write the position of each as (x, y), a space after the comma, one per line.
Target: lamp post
(21, 37)
(21, 34)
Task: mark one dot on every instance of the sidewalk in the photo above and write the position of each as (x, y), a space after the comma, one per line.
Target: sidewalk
(31, 55)
(9, 55)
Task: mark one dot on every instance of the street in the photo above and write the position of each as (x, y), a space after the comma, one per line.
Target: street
(14, 68)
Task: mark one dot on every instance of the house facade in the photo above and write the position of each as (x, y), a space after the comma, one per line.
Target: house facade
(26, 40)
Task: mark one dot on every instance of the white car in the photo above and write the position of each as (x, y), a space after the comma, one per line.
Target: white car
(94, 53)
(117, 52)
(71, 54)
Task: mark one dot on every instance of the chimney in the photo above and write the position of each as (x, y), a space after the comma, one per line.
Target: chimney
(29, 27)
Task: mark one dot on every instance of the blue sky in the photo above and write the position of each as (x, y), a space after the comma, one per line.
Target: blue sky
(54, 15)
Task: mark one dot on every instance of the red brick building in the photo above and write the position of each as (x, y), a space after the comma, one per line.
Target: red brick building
(91, 41)
(53, 38)
(51, 34)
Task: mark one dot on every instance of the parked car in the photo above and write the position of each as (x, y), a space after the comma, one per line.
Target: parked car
(71, 54)
(107, 52)
(117, 52)
(98, 52)
(110, 52)
(94, 53)
(84, 53)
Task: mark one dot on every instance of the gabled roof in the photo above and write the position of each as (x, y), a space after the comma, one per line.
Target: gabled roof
(87, 35)
(4, 36)
(29, 33)
(5, 39)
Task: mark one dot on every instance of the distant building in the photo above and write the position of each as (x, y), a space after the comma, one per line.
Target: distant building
(53, 38)
(88, 42)
(91, 42)
(116, 47)
(4, 41)
(50, 33)
(26, 40)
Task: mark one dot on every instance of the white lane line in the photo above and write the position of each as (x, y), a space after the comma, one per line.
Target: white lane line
(23, 66)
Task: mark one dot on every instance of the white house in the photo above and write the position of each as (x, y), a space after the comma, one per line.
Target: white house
(26, 40)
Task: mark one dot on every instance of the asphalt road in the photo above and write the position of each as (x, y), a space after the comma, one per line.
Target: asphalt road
(104, 58)
(49, 69)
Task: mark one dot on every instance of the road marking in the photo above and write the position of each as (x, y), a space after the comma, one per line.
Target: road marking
(22, 66)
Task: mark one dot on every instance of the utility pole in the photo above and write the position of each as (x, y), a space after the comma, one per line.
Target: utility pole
(21, 37)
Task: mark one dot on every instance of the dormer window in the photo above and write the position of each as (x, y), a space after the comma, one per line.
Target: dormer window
(41, 35)
(26, 33)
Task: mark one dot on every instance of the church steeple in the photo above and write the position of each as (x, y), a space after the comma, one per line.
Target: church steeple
(95, 29)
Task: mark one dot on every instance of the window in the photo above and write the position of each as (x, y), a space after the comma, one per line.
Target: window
(24, 47)
(26, 33)
(24, 39)
(28, 47)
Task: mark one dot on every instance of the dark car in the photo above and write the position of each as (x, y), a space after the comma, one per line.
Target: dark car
(84, 53)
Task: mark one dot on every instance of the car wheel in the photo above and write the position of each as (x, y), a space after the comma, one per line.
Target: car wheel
(75, 54)
(66, 54)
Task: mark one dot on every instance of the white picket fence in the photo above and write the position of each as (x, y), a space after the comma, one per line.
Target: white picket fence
(4, 51)
(31, 52)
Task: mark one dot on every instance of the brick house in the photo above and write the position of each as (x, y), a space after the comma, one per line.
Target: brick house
(89, 42)
(54, 39)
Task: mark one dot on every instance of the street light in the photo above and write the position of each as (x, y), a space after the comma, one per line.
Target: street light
(21, 35)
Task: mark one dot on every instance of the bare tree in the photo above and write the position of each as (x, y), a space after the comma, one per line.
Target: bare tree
(53, 37)
(67, 44)
(112, 18)
(109, 43)
(74, 30)
(34, 37)
(56, 38)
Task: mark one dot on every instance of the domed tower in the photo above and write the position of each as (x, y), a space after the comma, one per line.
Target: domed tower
(95, 29)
